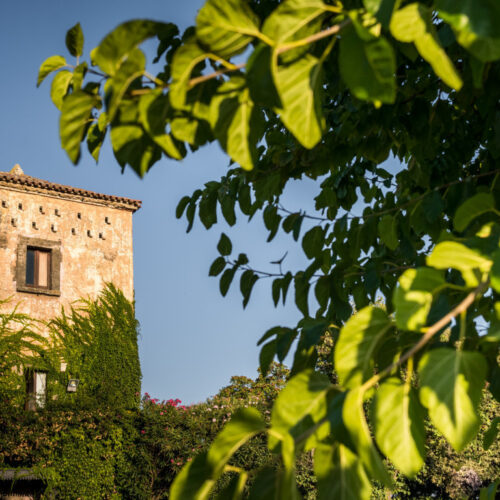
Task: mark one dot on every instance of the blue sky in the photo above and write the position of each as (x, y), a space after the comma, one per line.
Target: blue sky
(192, 339)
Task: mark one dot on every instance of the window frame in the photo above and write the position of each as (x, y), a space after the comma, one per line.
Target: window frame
(36, 397)
(54, 265)
(36, 267)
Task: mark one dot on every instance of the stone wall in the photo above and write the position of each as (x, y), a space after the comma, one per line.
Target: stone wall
(90, 241)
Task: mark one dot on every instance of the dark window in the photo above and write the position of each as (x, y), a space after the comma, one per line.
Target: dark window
(38, 267)
(36, 389)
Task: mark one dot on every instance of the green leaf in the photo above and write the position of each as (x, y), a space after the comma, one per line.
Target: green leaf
(74, 40)
(247, 281)
(153, 115)
(489, 493)
(473, 207)
(117, 45)
(491, 434)
(224, 246)
(453, 254)
(476, 24)
(226, 280)
(50, 64)
(193, 481)
(313, 242)
(340, 474)
(95, 138)
(493, 334)
(387, 231)
(381, 9)
(299, 86)
(237, 124)
(260, 79)
(181, 206)
(299, 406)
(413, 297)
(266, 356)
(398, 420)
(301, 293)
(131, 145)
(59, 87)
(195, 132)
(358, 341)
(244, 424)
(413, 23)
(208, 209)
(451, 383)
(367, 66)
(217, 266)
(78, 75)
(226, 26)
(354, 419)
(265, 484)
(227, 207)
(126, 74)
(76, 114)
(185, 59)
(294, 20)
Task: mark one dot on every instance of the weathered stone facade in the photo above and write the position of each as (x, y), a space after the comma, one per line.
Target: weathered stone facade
(88, 236)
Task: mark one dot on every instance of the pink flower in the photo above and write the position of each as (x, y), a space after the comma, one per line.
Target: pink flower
(171, 460)
(143, 431)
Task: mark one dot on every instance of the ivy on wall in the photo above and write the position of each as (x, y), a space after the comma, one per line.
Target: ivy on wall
(96, 339)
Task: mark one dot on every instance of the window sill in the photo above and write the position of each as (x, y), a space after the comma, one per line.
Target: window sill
(38, 290)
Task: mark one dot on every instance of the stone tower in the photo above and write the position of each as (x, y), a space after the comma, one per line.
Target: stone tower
(59, 243)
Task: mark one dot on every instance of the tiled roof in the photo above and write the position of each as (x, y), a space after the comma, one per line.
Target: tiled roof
(22, 180)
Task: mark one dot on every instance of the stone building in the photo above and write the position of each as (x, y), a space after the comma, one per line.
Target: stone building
(60, 243)
(57, 244)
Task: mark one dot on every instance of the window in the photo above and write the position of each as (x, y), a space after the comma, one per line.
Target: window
(38, 267)
(36, 389)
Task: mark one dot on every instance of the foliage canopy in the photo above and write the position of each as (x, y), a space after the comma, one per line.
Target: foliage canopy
(330, 91)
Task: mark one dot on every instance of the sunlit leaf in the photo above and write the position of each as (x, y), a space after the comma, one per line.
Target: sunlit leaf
(299, 86)
(76, 115)
(455, 255)
(294, 20)
(301, 404)
(476, 24)
(226, 27)
(451, 383)
(399, 423)
(186, 57)
(236, 122)
(340, 474)
(413, 23)
(413, 296)
(117, 45)
(473, 207)
(50, 64)
(153, 112)
(355, 422)
(357, 344)
(59, 87)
